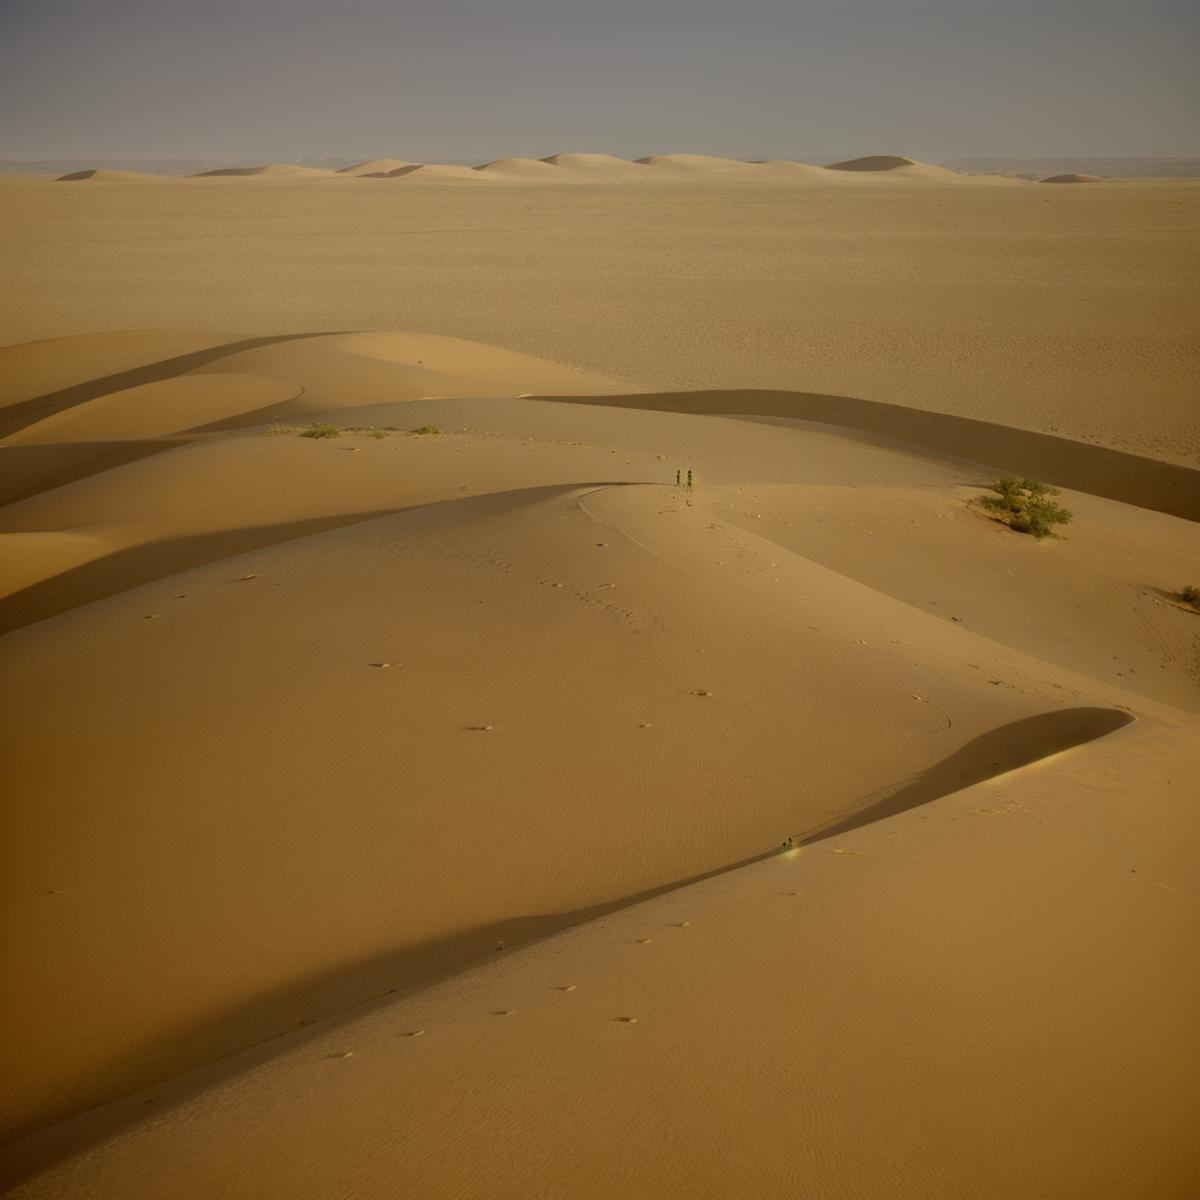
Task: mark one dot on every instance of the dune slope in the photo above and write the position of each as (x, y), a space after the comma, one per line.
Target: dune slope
(392, 704)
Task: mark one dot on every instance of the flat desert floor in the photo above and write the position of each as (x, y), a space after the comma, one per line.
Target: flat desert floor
(455, 806)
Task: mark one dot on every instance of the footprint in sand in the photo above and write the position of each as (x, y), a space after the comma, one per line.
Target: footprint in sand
(343, 1054)
(701, 692)
(644, 941)
(382, 666)
(150, 617)
(627, 1020)
(479, 728)
(564, 987)
(682, 924)
(414, 1033)
(504, 1012)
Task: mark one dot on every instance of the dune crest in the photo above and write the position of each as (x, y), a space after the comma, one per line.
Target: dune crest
(266, 171)
(110, 175)
(1074, 177)
(374, 166)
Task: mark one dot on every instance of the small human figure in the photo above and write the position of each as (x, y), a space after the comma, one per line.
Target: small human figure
(678, 481)
(689, 476)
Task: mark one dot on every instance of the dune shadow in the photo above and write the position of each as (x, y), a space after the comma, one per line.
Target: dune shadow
(32, 469)
(27, 412)
(137, 565)
(1018, 744)
(1146, 482)
(190, 1060)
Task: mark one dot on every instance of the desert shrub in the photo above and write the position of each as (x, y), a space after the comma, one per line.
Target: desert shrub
(1191, 595)
(1026, 506)
(425, 430)
(375, 433)
(317, 430)
(277, 430)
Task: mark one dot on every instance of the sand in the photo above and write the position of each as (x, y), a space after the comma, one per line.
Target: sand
(1067, 311)
(457, 807)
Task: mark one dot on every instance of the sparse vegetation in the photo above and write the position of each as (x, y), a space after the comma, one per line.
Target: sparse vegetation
(320, 430)
(277, 430)
(372, 431)
(1026, 506)
(426, 430)
(1191, 595)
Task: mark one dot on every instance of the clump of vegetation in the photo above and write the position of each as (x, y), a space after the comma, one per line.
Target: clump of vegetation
(372, 431)
(319, 430)
(426, 430)
(277, 430)
(1026, 506)
(1191, 595)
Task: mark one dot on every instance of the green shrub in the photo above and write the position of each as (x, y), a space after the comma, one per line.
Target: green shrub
(1025, 505)
(425, 430)
(1191, 595)
(316, 430)
(277, 430)
(376, 434)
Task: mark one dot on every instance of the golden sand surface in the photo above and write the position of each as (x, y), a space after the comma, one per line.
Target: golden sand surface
(455, 806)
(1063, 310)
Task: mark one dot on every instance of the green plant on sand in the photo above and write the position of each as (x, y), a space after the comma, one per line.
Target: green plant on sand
(1026, 506)
(1190, 594)
(424, 430)
(317, 430)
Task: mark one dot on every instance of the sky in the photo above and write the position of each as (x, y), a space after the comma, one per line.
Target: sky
(468, 80)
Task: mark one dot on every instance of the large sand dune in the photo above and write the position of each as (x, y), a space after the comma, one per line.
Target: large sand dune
(295, 727)
(468, 723)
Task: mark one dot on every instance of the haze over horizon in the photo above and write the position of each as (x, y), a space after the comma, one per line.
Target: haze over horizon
(472, 79)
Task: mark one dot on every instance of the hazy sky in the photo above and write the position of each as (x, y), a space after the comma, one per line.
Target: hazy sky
(472, 79)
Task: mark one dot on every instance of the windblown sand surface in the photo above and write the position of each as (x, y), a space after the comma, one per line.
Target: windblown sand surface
(400, 813)
(1068, 311)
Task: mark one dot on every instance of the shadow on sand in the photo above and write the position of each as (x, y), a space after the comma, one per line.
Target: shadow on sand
(1113, 474)
(333, 998)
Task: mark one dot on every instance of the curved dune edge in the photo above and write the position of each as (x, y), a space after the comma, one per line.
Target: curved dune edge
(991, 757)
(1114, 474)
(766, 921)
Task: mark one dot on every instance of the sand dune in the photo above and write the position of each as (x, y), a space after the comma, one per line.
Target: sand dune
(436, 173)
(374, 166)
(1072, 177)
(801, 832)
(594, 164)
(693, 162)
(110, 175)
(268, 171)
(521, 168)
(877, 292)
(480, 577)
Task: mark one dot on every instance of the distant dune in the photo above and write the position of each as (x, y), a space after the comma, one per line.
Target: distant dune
(1074, 177)
(374, 166)
(436, 173)
(594, 164)
(109, 175)
(522, 168)
(269, 170)
(694, 162)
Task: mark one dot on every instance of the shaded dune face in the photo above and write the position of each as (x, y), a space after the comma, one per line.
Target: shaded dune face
(109, 175)
(270, 170)
(1073, 177)
(875, 162)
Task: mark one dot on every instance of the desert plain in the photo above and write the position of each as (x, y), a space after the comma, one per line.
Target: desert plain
(455, 805)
